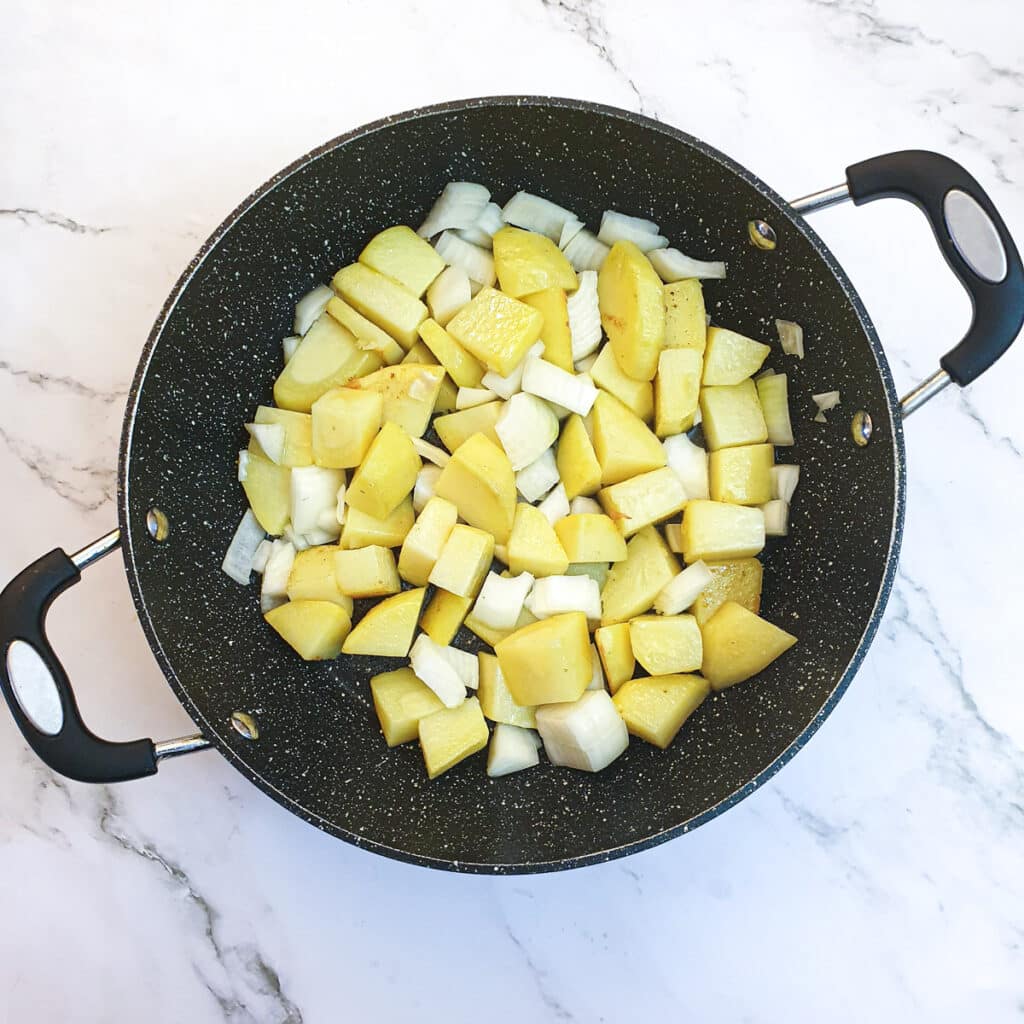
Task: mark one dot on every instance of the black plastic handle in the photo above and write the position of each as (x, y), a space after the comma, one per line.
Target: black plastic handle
(934, 183)
(73, 750)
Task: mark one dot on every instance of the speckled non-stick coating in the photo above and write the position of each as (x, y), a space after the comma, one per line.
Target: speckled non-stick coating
(214, 354)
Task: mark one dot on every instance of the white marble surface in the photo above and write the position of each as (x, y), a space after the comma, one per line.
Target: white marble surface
(877, 878)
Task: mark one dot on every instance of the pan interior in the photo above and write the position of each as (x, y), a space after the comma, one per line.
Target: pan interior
(213, 357)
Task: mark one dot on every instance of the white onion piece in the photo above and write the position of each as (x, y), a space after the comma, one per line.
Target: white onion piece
(580, 506)
(506, 387)
(270, 437)
(584, 316)
(791, 338)
(536, 479)
(309, 308)
(674, 537)
(297, 540)
(689, 462)
(477, 262)
(784, 481)
(467, 398)
(537, 214)
(586, 364)
(555, 506)
(327, 525)
(827, 400)
(553, 595)
(487, 225)
(597, 679)
(672, 265)
(243, 466)
(450, 291)
(570, 229)
(430, 452)
(773, 394)
(680, 592)
(620, 227)
(597, 571)
(269, 602)
(501, 599)
(289, 345)
(426, 482)
(241, 554)
(776, 518)
(587, 734)
(339, 510)
(819, 417)
(278, 569)
(585, 251)
(511, 750)
(458, 206)
(260, 558)
(432, 667)
(526, 428)
(552, 383)
(314, 490)
(320, 536)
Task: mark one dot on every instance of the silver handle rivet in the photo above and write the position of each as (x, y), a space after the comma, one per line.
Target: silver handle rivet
(245, 725)
(762, 234)
(861, 427)
(157, 525)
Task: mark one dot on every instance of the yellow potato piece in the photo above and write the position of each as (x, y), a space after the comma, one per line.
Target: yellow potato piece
(666, 644)
(315, 629)
(387, 629)
(685, 319)
(386, 475)
(731, 358)
(312, 578)
(298, 434)
(616, 654)
(399, 253)
(367, 334)
(401, 700)
(655, 708)
(578, 467)
(495, 699)
(489, 634)
(382, 301)
(676, 391)
(464, 561)
(423, 544)
(742, 475)
(447, 395)
(526, 262)
(731, 416)
(421, 354)
(444, 616)
(534, 546)
(361, 530)
(633, 585)
(464, 369)
(635, 395)
(367, 572)
(409, 392)
(450, 735)
(738, 644)
(551, 303)
(714, 531)
(623, 443)
(267, 488)
(480, 483)
(457, 428)
(497, 329)
(642, 500)
(738, 580)
(589, 537)
(345, 422)
(548, 662)
(631, 298)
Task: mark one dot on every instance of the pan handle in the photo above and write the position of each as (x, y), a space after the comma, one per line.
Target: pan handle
(39, 692)
(974, 241)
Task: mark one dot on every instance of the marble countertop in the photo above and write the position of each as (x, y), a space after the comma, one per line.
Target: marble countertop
(878, 877)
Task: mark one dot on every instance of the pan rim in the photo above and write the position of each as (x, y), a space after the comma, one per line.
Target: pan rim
(219, 733)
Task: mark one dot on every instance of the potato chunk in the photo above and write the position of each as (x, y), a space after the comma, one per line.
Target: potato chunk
(656, 708)
(547, 662)
(312, 578)
(738, 644)
(298, 433)
(715, 531)
(399, 253)
(527, 262)
(423, 545)
(685, 320)
(644, 499)
(444, 615)
(497, 329)
(633, 585)
(382, 301)
(409, 392)
(466, 370)
(464, 560)
(577, 463)
(368, 335)
(495, 698)
(480, 483)
(632, 304)
(676, 391)
(635, 395)
(345, 422)
(742, 475)
(623, 443)
(401, 700)
(267, 488)
(458, 427)
(616, 654)
(732, 416)
(589, 537)
(551, 303)
(386, 475)
(534, 546)
(666, 644)
(315, 629)
(451, 735)
(367, 572)
(731, 358)
(387, 629)
(361, 530)
(738, 580)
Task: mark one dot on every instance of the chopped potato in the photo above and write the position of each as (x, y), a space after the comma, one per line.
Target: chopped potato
(738, 644)
(386, 475)
(315, 629)
(458, 427)
(738, 580)
(666, 644)
(731, 358)
(450, 735)
(551, 303)
(635, 395)
(547, 662)
(447, 396)
(685, 319)
(361, 530)
(465, 370)
(742, 475)
(268, 490)
(616, 653)
(587, 537)
(298, 433)
(423, 544)
(312, 578)
(632, 303)
(526, 262)
(495, 699)
(345, 422)
(633, 584)
(368, 335)
(444, 616)
(387, 629)
(655, 708)
(623, 443)
(381, 300)
(489, 634)
(399, 253)
(409, 391)
(497, 329)
(480, 483)
(642, 500)
(464, 560)
(676, 391)
(714, 531)
(367, 572)
(577, 463)
(533, 546)
(401, 700)
(731, 416)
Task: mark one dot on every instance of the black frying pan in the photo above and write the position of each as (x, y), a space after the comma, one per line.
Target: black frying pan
(306, 733)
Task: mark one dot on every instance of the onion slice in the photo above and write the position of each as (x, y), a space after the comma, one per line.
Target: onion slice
(620, 227)
(278, 569)
(570, 229)
(587, 734)
(314, 490)
(478, 263)
(585, 251)
(309, 308)
(556, 505)
(581, 505)
(487, 225)
(526, 428)
(553, 595)
(784, 481)
(431, 452)
(506, 387)
(772, 392)
(536, 479)
(262, 556)
(511, 750)
(468, 398)
(501, 600)
(672, 265)
(241, 554)
(432, 665)
(289, 345)
(584, 316)
(689, 462)
(450, 291)
(459, 206)
(681, 591)
(776, 518)
(791, 338)
(575, 393)
(426, 482)
(270, 437)
(535, 213)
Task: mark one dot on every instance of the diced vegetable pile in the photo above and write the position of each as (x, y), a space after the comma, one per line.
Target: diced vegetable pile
(559, 376)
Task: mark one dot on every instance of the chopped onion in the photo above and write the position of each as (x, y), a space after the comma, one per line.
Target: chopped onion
(487, 225)
(674, 537)
(680, 592)
(430, 452)
(270, 437)
(587, 734)
(791, 338)
(289, 345)
(774, 397)
(584, 506)
(431, 664)
(597, 571)
(426, 482)
(526, 428)
(819, 417)
(278, 569)
(339, 511)
(827, 400)
(511, 750)
(467, 398)
(776, 518)
(268, 602)
(506, 387)
(552, 383)
(689, 462)
(320, 536)
(309, 308)
(784, 481)
(586, 364)
(241, 553)
(620, 227)
(501, 600)
(478, 263)
(450, 291)
(536, 479)
(554, 595)
(597, 679)
(537, 214)
(584, 316)
(259, 560)
(570, 229)
(459, 206)
(672, 265)
(585, 252)
(297, 540)
(764, 373)
(314, 490)
(555, 506)
(243, 466)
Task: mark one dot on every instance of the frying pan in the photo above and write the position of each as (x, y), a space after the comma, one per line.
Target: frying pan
(306, 733)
